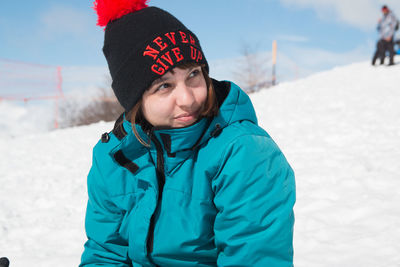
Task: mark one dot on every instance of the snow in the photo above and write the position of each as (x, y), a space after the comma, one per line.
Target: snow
(339, 129)
(341, 132)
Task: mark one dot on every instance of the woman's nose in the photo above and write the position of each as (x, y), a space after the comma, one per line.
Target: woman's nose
(185, 96)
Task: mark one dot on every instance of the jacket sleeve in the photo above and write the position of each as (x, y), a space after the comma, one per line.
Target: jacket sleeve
(104, 247)
(379, 26)
(392, 25)
(254, 195)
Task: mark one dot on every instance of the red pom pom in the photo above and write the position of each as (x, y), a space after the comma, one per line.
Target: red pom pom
(108, 10)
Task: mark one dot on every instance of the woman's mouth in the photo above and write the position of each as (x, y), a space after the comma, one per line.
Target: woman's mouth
(187, 117)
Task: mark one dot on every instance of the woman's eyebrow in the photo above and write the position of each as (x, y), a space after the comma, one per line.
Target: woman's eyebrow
(189, 70)
(193, 67)
(159, 80)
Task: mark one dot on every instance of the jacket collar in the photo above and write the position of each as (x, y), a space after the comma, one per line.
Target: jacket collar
(235, 106)
(181, 139)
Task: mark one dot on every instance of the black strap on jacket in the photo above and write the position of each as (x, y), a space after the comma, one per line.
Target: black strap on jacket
(125, 162)
(119, 130)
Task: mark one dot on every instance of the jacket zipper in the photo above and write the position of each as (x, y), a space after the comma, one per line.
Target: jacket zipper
(161, 182)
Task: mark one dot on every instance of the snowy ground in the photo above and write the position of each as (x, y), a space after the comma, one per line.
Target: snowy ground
(340, 130)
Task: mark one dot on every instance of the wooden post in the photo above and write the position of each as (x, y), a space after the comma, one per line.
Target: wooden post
(59, 95)
(274, 49)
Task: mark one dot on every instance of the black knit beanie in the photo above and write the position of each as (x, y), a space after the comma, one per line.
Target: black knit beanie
(143, 45)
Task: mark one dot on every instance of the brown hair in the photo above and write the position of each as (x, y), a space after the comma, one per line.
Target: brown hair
(210, 108)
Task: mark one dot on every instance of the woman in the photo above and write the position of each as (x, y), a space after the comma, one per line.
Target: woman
(186, 177)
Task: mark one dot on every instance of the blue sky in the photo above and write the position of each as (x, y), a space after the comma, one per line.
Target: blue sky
(314, 34)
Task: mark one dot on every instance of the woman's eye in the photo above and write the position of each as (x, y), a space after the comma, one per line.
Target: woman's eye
(163, 87)
(194, 73)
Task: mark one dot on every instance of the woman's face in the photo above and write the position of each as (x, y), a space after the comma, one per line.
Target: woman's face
(176, 99)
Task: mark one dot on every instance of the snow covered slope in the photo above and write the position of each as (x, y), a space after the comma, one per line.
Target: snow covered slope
(339, 129)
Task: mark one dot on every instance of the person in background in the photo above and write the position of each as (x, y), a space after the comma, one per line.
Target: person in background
(387, 26)
(187, 177)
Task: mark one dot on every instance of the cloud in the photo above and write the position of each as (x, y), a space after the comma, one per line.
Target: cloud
(64, 20)
(362, 14)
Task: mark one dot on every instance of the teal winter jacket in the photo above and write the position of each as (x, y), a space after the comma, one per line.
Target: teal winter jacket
(217, 193)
